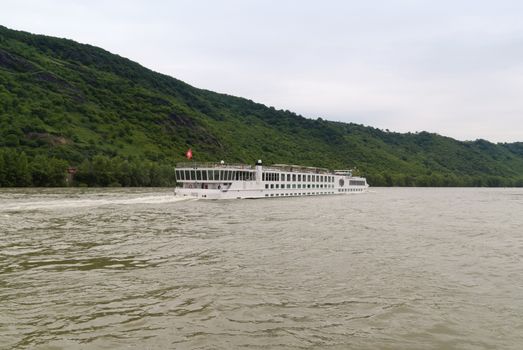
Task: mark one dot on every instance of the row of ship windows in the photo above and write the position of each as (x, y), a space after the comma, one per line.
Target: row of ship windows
(236, 175)
(215, 175)
(296, 194)
(297, 177)
(357, 183)
(278, 186)
(312, 193)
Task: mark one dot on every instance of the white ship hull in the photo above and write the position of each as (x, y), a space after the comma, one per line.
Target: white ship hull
(220, 181)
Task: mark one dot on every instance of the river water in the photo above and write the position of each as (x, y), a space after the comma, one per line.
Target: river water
(139, 269)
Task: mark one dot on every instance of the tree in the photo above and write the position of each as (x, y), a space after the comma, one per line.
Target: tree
(16, 169)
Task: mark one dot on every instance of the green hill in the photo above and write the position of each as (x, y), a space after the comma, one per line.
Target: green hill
(67, 104)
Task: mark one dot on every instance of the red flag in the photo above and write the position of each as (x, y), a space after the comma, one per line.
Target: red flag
(188, 154)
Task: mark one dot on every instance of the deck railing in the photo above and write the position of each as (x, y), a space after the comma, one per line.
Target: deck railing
(275, 167)
(197, 165)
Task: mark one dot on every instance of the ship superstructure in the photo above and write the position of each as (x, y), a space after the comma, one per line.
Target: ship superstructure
(227, 181)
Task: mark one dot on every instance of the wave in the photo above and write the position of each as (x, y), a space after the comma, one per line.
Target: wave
(83, 203)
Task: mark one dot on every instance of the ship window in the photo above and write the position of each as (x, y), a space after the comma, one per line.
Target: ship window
(293, 177)
(272, 185)
(299, 177)
(288, 177)
(193, 175)
(282, 176)
(204, 175)
(267, 186)
(277, 185)
(211, 175)
(216, 175)
(187, 177)
(277, 177)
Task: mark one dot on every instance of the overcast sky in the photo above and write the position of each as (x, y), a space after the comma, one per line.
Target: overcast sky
(449, 66)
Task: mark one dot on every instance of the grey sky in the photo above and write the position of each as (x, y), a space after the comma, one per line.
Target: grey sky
(451, 67)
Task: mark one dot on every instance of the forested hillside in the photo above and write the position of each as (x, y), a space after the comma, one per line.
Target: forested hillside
(65, 104)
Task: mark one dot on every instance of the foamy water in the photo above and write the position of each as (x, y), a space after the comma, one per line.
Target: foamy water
(54, 203)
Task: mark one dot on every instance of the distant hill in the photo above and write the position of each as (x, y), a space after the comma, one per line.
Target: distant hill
(67, 104)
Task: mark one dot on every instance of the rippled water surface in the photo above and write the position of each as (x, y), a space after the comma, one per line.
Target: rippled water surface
(137, 268)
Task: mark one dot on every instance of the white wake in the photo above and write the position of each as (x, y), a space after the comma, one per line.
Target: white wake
(84, 203)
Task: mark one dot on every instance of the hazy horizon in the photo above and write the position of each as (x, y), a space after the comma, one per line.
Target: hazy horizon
(449, 68)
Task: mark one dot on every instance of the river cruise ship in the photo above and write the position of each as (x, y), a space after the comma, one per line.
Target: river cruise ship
(230, 181)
